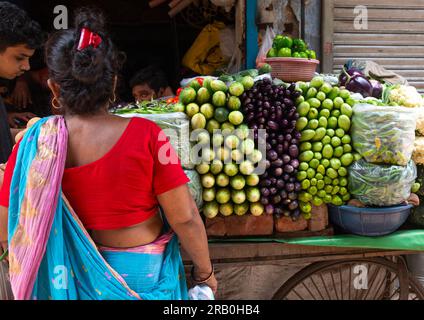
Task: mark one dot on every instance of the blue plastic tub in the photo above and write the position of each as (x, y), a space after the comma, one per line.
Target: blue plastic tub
(369, 221)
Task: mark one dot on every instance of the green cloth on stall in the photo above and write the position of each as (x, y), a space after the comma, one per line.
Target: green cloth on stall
(401, 240)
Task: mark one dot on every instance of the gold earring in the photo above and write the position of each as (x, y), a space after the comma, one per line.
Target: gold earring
(114, 98)
(55, 103)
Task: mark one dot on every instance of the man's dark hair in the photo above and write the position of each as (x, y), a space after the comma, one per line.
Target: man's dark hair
(86, 77)
(154, 77)
(17, 28)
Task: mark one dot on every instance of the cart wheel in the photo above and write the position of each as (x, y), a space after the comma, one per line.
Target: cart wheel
(353, 279)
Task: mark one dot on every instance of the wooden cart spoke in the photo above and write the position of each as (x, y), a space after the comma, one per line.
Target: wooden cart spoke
(383, 282)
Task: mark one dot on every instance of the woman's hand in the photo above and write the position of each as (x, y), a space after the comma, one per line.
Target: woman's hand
(23, 116)
(184, 218)
(413, 200)
(211, 283)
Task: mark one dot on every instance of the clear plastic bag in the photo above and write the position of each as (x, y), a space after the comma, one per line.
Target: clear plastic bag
(195, 187)
(5, 289)
(176, 126)
(201, 292)
(265, 47)
(381, 185)
(384, 134)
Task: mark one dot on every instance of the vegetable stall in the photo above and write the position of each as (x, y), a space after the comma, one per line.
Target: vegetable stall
(302, 168)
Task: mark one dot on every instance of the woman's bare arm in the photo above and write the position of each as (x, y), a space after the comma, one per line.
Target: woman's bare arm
(184, 218)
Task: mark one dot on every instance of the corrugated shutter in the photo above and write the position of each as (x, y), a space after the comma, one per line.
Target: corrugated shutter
(394, 38)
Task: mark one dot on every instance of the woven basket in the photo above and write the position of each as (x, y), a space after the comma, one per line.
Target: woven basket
(292, 69)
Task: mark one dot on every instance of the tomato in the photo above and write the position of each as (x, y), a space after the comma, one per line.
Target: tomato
(200, 81)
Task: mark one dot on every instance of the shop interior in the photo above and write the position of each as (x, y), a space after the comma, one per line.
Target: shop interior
(148, 32)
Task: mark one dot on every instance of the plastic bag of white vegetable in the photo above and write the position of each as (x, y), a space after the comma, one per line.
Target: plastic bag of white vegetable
(381, 185)
(176, 126)
(195, 186)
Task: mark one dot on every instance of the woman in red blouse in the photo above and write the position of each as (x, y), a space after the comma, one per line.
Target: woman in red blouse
(118, 171)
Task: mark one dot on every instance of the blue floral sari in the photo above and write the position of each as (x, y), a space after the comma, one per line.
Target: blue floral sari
(51, 255)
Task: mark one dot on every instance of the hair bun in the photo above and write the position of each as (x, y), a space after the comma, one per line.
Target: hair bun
(91, 18)
(87, 64)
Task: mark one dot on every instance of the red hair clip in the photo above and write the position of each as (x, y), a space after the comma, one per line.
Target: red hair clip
(88, 38)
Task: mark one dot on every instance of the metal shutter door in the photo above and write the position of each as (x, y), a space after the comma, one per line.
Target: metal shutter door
(394, 38)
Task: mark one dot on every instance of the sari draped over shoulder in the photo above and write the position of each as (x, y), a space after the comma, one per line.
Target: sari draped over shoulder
(51, 254)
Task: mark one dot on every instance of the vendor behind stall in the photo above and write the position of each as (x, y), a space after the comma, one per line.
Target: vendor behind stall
(150, 83)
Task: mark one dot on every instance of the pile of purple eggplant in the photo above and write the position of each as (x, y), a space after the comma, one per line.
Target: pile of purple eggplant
(272, 107)
(355, 81)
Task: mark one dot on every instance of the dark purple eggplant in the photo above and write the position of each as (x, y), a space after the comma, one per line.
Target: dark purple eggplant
(294, 151)
(298, 135)
(273, 125)
(283, 194)
(345, 75)
(269, 209)
(280, 184)
(290, 187)
(267, 164)
(377, 89)
(280, 149)
(268, 147)
(265, 192)
(276, 199)
(295, 163)
(272, 155)
(278, 212)
(262, 183)
(296, 94)
(286, 159)
(286, 202)
(296, 215)
(277, 163)
(293, 205)
(297, 187)
(278, 172)
(292, 196)
(288, 169)
(264, 201)
(360, 84)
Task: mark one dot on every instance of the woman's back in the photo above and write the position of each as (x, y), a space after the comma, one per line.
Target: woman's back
(92, 137)
(113, 176)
